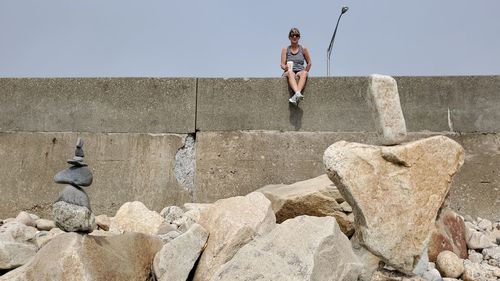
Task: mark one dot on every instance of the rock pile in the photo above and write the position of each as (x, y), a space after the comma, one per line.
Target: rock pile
(239, 239)
(72, 210)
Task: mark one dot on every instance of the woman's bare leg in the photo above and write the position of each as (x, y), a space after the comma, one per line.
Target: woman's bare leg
(292, 82)
(302, 80)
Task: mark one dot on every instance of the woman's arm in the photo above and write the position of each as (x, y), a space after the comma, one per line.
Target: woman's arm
(308, 59)
(283, 59)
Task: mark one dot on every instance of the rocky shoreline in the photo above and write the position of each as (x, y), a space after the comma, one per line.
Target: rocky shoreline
(237, 238)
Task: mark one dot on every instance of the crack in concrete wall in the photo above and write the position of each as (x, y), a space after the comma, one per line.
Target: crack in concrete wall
(185, 163)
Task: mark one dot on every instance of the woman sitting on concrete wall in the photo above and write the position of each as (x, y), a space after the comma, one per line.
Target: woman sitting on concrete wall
(292, 62)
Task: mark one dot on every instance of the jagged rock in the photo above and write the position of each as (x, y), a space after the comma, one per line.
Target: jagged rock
(165, 228)
(395, 192)
(491, 253)
(176, 259)
(69, 217)
(232, 223)
(169, 236)
(449, 234)
(75, 196)
(103, 222)
(171, 213)
(475, 257)
(370, 263)
(477, 240)
(16, 244)
(75, 175)
(313, 197)
(72, 256)
(479, 272)
(14, 254)
(383, 99)
(449, 264)
(17, 232)
(136, 217)
(43, 224)
(184, 223)
(302, 248)
(484, 224)
(26, 219)
(432, 275)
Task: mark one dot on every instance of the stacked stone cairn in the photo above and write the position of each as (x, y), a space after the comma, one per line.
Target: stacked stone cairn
(72, 211)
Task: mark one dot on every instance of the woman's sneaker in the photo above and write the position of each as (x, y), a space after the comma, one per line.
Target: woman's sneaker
(293, 99)
(299, 97)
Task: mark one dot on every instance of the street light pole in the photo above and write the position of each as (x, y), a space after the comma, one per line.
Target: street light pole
(330, 47)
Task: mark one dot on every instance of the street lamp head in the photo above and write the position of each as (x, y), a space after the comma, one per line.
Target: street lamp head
(344, 9)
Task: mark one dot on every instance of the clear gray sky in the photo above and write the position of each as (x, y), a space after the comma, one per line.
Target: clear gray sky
(228, 38)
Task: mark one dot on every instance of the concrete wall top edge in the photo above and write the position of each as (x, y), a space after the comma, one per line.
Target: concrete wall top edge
(186, 104)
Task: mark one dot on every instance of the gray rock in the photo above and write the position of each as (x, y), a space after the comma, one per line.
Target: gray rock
(171, 213)
(17, 232)
(71, 217)
(14, 254)
(477, 240)
(165, 228)
(176, 259)
(432, 275)
(475, 257)
(166, 238)
(76, 175)
(485, 225)
(75, 196)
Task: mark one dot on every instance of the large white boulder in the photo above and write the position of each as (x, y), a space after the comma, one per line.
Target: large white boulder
(299, 249)
(395, 192)
(232, 223)
(74, 257)
(176, 259)
(136, 217)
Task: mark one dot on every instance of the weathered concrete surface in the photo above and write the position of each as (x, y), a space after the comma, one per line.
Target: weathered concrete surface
(236, 163)
(132, 105)
(333, 104)
(451, 103)
(476, 187)
(126, 167)
(436, 104)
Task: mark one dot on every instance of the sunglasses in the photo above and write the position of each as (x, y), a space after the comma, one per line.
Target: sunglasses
(295, 35)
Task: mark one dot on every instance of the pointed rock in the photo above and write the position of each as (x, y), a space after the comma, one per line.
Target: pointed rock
(232, 223)
(395, 192)
(176, 259)
(299, 249)
(313, 197)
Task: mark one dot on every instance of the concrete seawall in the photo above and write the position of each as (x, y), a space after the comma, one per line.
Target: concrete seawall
(246, 135)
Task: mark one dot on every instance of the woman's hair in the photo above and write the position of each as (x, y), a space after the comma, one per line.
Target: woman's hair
(294, 31)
